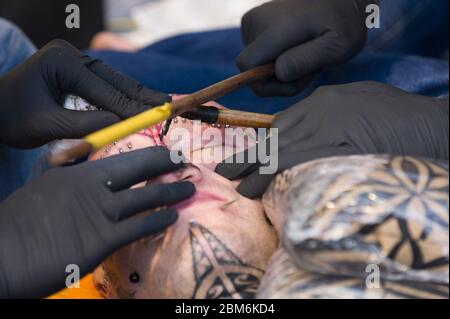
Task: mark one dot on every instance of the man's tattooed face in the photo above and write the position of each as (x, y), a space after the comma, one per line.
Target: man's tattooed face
(219, 246)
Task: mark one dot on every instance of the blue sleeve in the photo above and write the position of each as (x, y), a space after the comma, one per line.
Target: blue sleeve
(15, 165)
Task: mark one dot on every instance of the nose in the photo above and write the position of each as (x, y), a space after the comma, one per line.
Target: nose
(190, 173)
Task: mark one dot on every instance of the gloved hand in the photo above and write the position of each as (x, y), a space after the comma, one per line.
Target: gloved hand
(358, 118)
(32, 96)
(302, 37)
(81, 215)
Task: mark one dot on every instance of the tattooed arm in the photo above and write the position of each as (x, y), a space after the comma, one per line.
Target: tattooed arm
(345, 217)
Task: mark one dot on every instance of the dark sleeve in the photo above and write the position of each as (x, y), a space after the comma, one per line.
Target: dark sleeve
(44, 20)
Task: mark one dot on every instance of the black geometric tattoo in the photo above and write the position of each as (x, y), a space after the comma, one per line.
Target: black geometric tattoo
(219, 273)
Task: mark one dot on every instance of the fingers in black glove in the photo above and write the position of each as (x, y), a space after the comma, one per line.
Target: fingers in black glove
(61, 123)
(128, 202)
(96, 82)
(80, 215)
(134, 229)
(130, 87)
(302, 38)
(254, 185)
(32, 97)
(120, 176)
(357, 118)
(255, 181)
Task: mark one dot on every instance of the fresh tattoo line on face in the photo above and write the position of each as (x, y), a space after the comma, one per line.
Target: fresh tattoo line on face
(219, 273)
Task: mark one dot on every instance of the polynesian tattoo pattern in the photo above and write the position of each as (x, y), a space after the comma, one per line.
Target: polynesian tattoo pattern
(394, 215)
(219, 273)
(410, 196)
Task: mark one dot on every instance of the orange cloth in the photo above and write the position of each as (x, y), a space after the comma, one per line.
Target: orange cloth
(86, 291)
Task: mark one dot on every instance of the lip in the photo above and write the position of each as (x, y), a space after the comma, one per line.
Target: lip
(199, 196)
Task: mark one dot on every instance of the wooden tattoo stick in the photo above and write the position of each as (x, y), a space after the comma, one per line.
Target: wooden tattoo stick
(213, 115)
(159, 114)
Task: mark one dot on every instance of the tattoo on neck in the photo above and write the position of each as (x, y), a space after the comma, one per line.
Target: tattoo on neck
(219, 273)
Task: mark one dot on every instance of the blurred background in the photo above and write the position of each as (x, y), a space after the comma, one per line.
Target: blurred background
(181, 46)
(125, 25)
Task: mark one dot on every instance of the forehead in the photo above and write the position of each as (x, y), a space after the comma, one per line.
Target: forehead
(214, 142)
(208, 136)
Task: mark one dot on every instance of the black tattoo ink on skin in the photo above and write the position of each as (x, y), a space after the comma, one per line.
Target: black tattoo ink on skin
(219, 273)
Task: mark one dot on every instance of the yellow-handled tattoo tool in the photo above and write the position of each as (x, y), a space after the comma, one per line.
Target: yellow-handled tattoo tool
(159, 114)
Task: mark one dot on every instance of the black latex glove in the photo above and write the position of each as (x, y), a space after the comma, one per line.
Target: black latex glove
(32, 96)
(81, 215)
(302, 37)
(358, 118)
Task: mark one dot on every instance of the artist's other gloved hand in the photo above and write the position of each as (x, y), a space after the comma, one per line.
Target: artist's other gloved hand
(302, 37)
(32, 97)
(358, 118)
(81, 215)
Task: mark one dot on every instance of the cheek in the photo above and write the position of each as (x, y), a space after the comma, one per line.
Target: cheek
(134, 264)
(126, 282)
